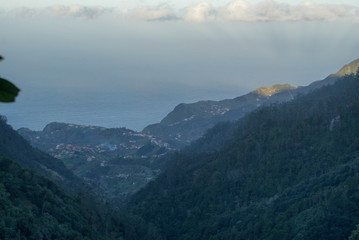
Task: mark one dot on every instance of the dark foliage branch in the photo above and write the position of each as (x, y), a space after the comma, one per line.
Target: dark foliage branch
(8, 91)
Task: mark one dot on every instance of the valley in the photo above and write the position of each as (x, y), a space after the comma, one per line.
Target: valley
(116, 162)
(280, 162)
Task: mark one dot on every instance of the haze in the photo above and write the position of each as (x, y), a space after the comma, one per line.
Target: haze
(130, 65)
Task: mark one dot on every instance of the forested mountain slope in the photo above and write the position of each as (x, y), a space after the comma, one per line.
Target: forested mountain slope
(188, 122)
(32, 207)
(13, 146)
(290, 171)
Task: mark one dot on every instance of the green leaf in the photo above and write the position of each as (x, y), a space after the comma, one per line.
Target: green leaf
(8, 91)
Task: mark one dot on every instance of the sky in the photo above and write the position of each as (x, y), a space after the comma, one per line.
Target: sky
(134, 3)
(129, 63)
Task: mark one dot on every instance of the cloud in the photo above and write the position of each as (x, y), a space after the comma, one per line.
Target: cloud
(77, 11)
(201, 12)
(241, 10)
(237, 10)
(23, 12)
(74, 11)
(313, 11)
(152, 13)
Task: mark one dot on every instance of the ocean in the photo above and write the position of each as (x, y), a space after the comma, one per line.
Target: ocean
(35, 109)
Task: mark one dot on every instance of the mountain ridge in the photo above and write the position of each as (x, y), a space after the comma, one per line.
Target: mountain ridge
(276, 88)
(290, 171)
(30, 157)
(347, 69)
(188, 122)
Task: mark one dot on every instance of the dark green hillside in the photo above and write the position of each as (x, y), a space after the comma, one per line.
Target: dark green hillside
(291, 171)
(13, 146)
(355, 234)
(32, 207)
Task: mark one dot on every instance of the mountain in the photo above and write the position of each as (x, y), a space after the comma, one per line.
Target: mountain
(117, 162)
(15, 147)
(122, 141)
(349, 68)
(188, 122)
(32, 207)
(34, 204)
(41, 199)
(288, 171)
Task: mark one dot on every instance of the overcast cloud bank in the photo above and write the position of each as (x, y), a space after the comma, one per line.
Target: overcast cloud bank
(74, 11)
(238, 10)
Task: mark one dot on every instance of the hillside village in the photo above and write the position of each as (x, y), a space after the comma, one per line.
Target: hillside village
(62, 140)
(117, 161)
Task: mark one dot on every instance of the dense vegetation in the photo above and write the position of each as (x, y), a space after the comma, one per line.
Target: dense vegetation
(285, 171)
(291, 171)
(116, 162)
(13, 146)
(355, 234)
(32, 207)
(120, 178)
(8, 91)
(188, 122)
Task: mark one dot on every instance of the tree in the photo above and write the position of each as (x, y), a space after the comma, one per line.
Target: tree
(355, 234)
(8, 91)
